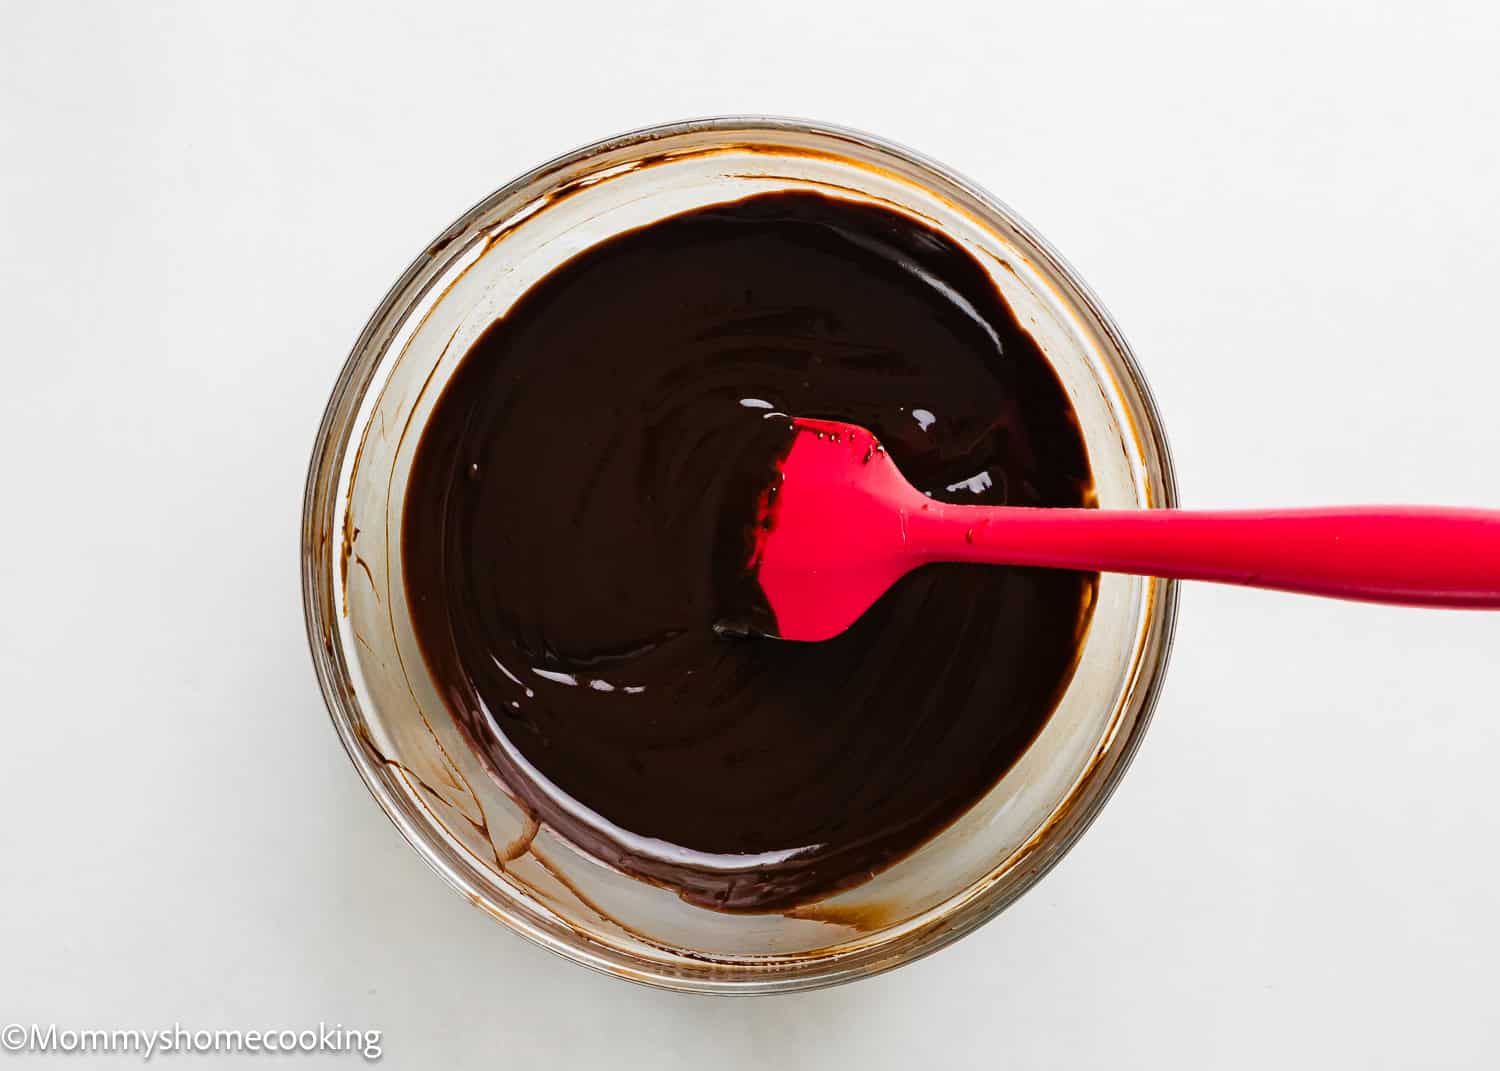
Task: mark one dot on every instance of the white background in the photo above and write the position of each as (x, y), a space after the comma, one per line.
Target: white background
(1293, 210)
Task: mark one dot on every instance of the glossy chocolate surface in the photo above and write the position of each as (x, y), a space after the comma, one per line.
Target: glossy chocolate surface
(575, 524)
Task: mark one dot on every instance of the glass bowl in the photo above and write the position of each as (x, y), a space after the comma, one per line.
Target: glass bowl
(411, 754)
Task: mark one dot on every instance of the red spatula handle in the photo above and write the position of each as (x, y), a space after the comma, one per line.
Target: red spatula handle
(1407, 555)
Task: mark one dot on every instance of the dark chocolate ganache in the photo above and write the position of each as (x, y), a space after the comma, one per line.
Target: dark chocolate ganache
(575, 520)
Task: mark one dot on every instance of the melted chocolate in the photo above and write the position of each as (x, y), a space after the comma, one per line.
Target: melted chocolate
(575, 524)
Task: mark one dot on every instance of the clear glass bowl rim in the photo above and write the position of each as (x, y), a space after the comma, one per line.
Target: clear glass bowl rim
(1052, 843)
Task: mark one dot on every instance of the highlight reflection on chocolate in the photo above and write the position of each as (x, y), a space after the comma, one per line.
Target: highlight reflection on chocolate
(573, 531)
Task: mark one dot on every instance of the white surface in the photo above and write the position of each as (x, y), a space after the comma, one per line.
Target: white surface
(1292, 211)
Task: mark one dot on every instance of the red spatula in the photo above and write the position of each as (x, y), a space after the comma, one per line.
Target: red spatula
(839, 525)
